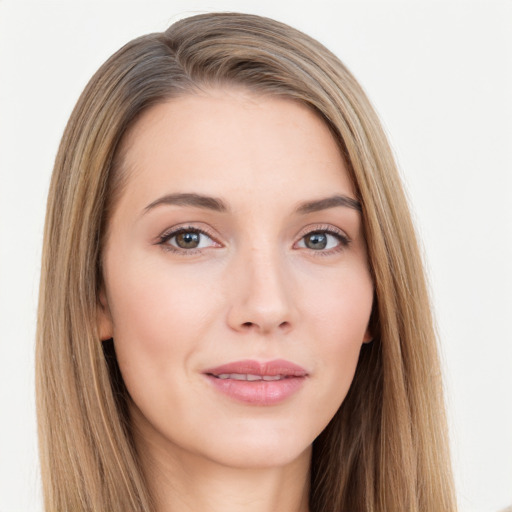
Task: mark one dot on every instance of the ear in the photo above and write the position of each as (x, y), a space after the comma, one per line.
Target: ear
(103, 317)
(371, 328)
(368, 337)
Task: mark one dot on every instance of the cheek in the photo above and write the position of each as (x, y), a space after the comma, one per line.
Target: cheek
(340, 309)
(155, 298)
(161, 320)
(339, 317)
(159, 317)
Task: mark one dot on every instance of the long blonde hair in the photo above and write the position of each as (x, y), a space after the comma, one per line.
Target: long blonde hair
(386, 448)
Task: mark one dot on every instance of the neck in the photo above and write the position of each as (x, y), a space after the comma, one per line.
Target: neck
(183, 482)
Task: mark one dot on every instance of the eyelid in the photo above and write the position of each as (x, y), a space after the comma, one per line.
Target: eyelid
(344, 239)
(173, 231)
(328, 228)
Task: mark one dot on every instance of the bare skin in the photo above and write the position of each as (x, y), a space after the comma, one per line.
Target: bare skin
(237, 237)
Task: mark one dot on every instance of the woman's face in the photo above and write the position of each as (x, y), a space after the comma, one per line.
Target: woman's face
(236, 281)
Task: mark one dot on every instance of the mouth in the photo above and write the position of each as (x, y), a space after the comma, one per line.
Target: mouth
(250, 377)
(257, 383)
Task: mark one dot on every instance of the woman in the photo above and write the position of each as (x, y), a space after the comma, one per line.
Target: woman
(233, 312)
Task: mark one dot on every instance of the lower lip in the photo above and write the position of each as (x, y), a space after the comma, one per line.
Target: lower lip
(260, 392)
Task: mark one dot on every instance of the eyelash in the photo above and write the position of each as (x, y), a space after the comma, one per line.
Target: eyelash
(343, 239)
(168, 235)
(164, 238)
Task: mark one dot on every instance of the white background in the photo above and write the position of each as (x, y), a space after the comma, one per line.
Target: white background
(440, 76)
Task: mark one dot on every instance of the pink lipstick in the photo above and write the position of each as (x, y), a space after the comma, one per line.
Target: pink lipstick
(255, 383)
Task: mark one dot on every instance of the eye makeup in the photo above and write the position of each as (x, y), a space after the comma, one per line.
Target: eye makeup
(190, 240)
(187, 240)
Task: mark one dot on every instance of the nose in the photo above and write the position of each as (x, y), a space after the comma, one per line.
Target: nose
(261, 295)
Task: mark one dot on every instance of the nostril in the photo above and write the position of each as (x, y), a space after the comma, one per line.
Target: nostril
(250, 325)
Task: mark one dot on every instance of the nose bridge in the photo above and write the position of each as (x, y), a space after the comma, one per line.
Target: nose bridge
(262, 298)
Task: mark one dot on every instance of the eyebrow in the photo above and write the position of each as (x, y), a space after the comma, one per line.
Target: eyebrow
(329, 202)
(216, 204)
(189, 199)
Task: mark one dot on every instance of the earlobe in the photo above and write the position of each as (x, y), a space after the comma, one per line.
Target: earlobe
(103, 317)
(367, 338)
(371, 328)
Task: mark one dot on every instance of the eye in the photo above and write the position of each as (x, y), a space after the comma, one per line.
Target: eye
(323, 240)
(186, 239)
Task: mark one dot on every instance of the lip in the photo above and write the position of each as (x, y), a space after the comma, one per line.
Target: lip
(258, 392)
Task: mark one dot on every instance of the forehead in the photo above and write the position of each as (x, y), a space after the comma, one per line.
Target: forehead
(225, 141)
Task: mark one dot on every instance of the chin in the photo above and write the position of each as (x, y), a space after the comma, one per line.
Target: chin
(265, 451)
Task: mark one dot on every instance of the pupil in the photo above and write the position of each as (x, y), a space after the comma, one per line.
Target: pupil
(316, 241)
(187, 240)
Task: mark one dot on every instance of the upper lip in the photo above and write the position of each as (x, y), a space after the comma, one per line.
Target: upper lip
(267, 368)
